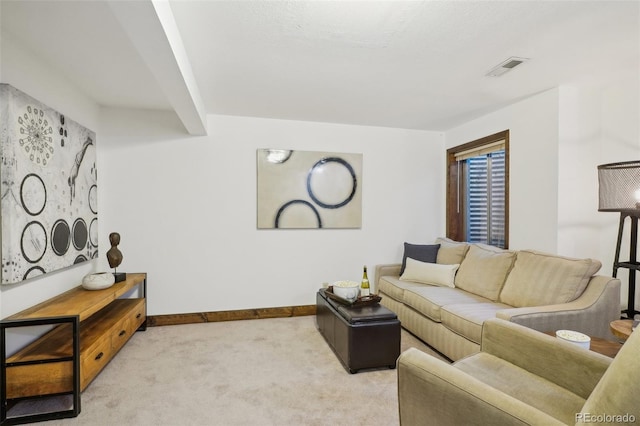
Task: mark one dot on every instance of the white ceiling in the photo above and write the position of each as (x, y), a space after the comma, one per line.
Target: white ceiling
(407, 64)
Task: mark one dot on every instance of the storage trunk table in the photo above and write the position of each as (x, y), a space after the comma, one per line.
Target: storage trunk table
(361, 337)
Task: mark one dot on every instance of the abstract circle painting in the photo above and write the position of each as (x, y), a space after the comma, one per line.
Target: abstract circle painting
(308, 189)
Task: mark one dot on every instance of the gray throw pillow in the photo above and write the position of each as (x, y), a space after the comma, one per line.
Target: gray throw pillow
(423, 253)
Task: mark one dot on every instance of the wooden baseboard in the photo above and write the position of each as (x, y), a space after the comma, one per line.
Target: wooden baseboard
(242, 314)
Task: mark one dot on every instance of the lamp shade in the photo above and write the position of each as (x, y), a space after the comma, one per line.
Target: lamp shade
(619, 186)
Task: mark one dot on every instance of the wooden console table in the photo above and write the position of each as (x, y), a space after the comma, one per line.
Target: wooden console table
(89, 328)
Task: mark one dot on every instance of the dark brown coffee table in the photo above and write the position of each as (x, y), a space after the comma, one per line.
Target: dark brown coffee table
(361, 337)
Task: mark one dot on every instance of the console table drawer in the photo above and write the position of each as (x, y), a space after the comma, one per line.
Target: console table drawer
(92, 362)
(138, 316)
(129, 323)
(120, 335)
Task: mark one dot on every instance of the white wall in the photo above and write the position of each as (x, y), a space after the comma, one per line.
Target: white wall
(27, 73)
(598, 125)
(186, 208)
(533, 168)
(579, 154)
(620, 141)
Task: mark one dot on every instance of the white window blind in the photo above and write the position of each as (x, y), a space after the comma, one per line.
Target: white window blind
(486, 177)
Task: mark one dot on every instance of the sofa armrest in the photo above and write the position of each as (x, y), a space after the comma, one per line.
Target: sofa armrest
(562, 363)
(590, 313)
(431, 391)
(391, 269)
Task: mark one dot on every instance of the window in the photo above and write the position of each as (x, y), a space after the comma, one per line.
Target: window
(478, 191)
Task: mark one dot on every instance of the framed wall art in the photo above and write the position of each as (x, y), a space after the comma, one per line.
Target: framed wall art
(308, 189)
(49, 188)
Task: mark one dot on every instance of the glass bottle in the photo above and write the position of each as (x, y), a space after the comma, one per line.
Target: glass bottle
(364, 286)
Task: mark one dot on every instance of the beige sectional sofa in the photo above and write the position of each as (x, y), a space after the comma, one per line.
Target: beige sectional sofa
(445, 303)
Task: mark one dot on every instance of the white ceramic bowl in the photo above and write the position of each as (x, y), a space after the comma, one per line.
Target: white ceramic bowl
(574, 337)
(98, 281)
(349, 290)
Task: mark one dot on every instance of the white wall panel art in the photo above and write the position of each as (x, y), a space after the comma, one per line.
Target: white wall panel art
(48, 188)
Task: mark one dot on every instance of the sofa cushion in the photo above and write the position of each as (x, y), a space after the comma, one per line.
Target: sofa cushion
(542, 394)
(466, 319)
(450, 252)
(428, 300)
(539, 279)
(484, 270)
(394, 288)
(423, 253)
(429, 273)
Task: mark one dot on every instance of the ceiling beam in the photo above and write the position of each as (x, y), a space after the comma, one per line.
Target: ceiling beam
(151, 27)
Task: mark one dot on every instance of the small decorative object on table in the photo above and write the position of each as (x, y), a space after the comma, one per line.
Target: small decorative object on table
(98, 281)
(348, 290)
(574, 337)
(371, 300)
(114, 256)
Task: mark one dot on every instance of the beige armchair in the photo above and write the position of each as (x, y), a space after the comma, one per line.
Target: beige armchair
(521, 377)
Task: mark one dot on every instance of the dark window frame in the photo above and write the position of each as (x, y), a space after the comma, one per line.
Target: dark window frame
(455, 226)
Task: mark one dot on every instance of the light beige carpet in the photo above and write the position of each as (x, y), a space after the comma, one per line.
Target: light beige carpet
(257, 372)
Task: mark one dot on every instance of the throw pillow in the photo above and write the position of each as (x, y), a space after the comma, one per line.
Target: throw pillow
(484, 270)
(429, 273)
(451, 252)
(423, 253)
(539, 279)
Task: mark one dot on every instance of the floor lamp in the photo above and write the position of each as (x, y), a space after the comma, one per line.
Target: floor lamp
(619, 191)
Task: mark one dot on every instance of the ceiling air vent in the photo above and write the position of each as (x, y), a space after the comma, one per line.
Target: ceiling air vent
(506, 66)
